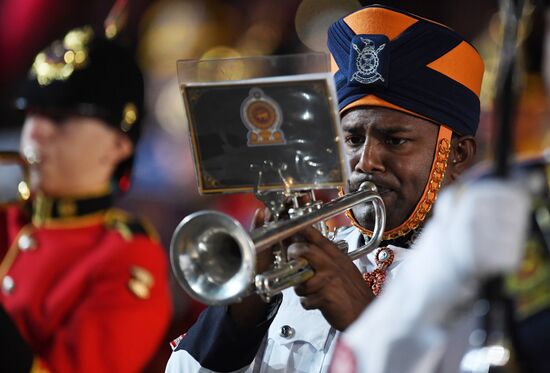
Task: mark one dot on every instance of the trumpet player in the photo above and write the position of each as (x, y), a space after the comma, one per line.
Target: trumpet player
(408, 91)
(82, 282)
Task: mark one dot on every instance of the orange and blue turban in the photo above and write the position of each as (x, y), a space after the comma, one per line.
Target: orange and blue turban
(384, 57)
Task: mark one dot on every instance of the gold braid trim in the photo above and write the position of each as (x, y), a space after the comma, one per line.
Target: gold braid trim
(424, 205)
(38, 366)
(13, 251)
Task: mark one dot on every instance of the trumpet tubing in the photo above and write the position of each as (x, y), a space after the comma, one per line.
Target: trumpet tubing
(214, 258)
(15, 186)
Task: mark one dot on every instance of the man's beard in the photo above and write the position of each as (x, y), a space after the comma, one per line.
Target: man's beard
(365, 215)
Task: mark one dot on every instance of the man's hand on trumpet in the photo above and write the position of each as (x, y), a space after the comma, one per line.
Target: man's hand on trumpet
(337, 289)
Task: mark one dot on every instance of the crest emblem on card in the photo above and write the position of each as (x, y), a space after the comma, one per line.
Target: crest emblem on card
(263, 118)
(368, 60)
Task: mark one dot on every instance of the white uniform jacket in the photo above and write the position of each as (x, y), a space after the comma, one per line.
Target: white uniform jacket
(295, 340)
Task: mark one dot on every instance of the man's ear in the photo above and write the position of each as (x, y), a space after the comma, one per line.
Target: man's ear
(124, 148)
(461, 157)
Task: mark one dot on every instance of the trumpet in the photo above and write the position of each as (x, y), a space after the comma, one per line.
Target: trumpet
(14, 179)
(214, 258)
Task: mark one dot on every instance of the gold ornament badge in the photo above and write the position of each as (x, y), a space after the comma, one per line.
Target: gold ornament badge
(62, 57)
(140, 283)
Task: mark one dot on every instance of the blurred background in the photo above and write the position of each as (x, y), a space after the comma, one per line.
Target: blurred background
(164, 31)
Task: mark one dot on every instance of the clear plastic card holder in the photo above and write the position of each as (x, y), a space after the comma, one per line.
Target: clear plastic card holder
(245, 68)
(265, 123)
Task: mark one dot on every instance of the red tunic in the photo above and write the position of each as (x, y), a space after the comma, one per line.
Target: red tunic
(89, 294)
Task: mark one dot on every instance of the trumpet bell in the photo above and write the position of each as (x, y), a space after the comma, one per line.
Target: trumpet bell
(215, 255)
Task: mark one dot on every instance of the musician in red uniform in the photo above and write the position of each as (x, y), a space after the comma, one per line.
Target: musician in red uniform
(84, 284)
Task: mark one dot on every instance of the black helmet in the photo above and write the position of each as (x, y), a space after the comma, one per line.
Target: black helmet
(87, 74)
